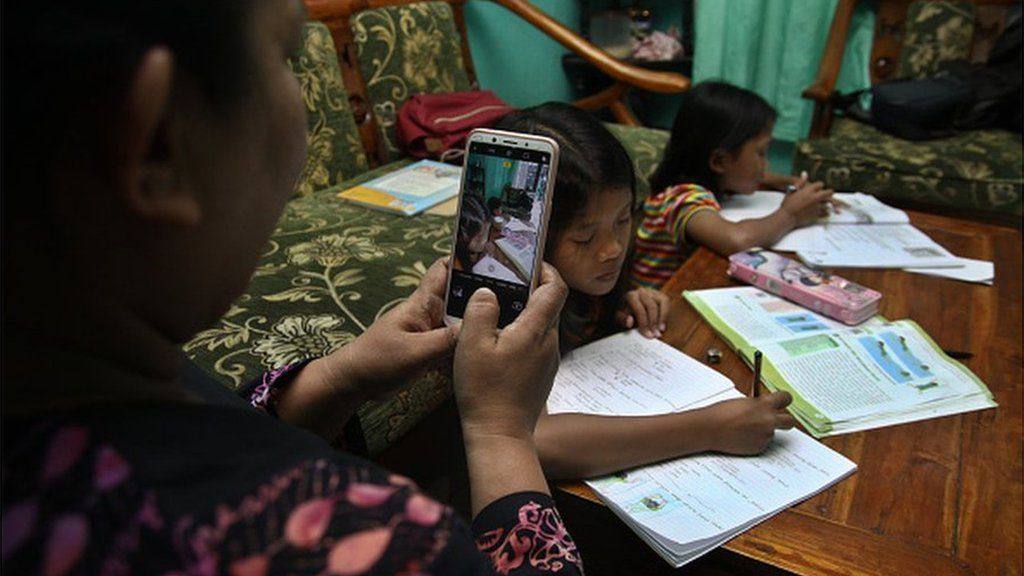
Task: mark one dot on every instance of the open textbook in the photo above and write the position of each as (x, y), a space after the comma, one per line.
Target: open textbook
(686, 507)
(842, 378)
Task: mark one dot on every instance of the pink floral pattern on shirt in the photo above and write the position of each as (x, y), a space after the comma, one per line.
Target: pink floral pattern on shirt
(315, 518)
(539, 540)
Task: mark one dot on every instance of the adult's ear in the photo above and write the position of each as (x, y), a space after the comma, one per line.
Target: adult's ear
(719, 161)
(148, 180)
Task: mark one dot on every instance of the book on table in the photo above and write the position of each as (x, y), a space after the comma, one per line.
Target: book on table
(863, 233)
(408, 190)
(842, 378)
(686, 507)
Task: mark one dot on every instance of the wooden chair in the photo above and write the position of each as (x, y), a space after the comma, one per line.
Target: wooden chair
(338, 16)
(976, 173)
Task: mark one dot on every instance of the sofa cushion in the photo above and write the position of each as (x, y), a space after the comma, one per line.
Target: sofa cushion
(334, 150)
(935, 33)
(406, 50)
(329, 270)
(978, 170)
(645, 147)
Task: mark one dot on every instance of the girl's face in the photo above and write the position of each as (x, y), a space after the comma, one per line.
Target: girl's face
(590, 252)
(743, 171)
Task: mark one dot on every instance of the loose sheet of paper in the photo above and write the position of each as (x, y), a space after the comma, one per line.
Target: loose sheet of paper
(977, 271)
(877, 246)
(629, 375)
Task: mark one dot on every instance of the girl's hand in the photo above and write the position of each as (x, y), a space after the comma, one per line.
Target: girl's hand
(808, 203)
(747, 425)
(646, 310)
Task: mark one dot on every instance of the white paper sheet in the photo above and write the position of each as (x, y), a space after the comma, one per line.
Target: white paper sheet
(860, 208)
(977, 271)
(877, 246)
(629, 375)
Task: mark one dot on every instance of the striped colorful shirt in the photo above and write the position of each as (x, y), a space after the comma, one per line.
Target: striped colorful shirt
(661, 246)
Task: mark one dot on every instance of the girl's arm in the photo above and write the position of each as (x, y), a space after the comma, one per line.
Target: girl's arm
(587, 445)
(800, 208)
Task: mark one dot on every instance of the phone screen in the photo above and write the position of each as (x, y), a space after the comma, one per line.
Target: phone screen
(499, 227)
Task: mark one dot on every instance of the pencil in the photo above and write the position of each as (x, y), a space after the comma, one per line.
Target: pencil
(757, 374)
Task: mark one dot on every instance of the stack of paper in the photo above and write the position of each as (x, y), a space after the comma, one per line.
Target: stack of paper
(842, 378)
(865, 233)
(684, 508)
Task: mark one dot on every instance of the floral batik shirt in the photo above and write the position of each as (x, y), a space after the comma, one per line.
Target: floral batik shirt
(223, 487)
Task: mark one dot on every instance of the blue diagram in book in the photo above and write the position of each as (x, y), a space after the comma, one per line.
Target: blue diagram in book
(892, 354)
(800, 323)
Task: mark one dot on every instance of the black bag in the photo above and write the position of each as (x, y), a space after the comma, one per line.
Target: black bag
(962, 97)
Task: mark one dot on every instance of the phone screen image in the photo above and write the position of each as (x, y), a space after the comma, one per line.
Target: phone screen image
(499, 226)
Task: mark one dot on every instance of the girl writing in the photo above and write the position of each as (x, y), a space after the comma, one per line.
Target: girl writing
(588, 243)
(718, 147)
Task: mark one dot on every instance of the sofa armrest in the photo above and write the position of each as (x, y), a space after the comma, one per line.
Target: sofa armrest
(828, 70)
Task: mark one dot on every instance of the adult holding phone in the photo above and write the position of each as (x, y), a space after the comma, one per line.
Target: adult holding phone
(149, 150)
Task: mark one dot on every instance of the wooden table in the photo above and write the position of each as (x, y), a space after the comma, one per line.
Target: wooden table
(937, 497)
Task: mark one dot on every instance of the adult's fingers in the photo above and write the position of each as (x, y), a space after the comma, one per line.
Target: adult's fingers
(480, 320)
(435, 344)
(778, 400)
(433, 281)
(545, 304)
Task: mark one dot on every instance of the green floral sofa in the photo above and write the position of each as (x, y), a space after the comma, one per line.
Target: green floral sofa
(980, 172)
(331, 268)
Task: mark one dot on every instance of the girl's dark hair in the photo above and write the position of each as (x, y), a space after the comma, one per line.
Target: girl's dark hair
(67, 64)
(712, 116)
(472, 217)
(590, 157)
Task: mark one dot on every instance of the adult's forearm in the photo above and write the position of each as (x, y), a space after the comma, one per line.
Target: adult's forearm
(322, 397)
(500, 465)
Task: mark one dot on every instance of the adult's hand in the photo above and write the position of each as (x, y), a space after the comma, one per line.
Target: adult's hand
(396, 348)
(502, 377)
(502, 380)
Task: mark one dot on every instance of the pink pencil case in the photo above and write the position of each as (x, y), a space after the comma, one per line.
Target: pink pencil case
(835, 297)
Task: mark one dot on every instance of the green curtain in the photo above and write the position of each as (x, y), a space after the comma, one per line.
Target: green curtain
(773, 47)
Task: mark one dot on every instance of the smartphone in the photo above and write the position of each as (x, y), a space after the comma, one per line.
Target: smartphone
(504, 205)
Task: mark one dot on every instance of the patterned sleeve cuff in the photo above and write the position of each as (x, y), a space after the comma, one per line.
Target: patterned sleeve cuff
(523, 534)
(264, 391)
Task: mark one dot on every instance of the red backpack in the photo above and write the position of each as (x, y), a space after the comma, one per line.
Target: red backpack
(436, 125)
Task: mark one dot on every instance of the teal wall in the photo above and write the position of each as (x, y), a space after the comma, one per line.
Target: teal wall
(515, 60)
(524, 67)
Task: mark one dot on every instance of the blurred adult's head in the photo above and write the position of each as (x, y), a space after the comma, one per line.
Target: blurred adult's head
(149, 147)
